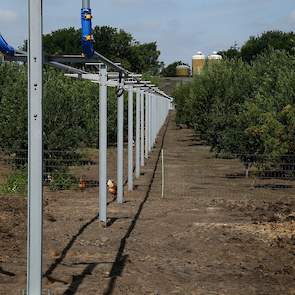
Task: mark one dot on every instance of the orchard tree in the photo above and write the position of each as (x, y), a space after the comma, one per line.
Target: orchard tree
(232, 53)
(279, 40)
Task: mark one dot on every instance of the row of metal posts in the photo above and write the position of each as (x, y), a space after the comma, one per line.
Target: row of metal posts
(151, 111)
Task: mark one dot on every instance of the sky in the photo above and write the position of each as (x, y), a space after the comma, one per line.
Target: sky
(180, 27)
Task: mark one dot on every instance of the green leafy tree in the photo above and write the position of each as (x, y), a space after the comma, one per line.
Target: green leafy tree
(244, 110)
(115, 44)
(232, 53)
(279, 40)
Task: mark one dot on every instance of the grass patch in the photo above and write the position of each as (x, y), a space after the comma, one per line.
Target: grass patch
(62, 181)
(16, 183)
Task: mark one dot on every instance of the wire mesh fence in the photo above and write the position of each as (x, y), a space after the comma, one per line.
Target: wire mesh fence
(62, 170)
(198, 173)
(78, 169)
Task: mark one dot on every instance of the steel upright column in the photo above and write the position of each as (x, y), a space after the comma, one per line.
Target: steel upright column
(146, 125)
(142, 128)
(120, 146)
(130, 138)
(157, 116)
(150, 122)
(103, 143)
(35, 151)
(86, 3)
(137, 140)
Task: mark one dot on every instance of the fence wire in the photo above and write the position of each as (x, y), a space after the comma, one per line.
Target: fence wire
(78, 169)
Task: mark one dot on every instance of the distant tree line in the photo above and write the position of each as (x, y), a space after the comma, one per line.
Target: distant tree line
(70, 106)
(257, 45)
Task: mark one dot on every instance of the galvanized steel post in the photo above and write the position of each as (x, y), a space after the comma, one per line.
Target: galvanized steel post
(142, 128)
(150, 122)
(130, 138)
(103, 143)
(35, 151)
(137, 140)
(120, 145)
(146, 125)
(85, 3)
(154, 115)
(157, 117)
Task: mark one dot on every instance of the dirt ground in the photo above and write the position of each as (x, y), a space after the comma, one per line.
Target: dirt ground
(211, 233)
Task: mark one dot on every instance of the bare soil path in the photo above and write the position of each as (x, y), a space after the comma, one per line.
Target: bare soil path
(211, 234)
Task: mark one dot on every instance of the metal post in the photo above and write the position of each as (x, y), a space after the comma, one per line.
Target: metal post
(137, 140)
(85, 3)
(150, 122)
(153, 118)
(142, 128)
(157, 116)
(103, 144)
(146, 125)
(163, 111)
(160, 112)
(130, 138)
(120, 146)
(35, 154)
(163, 173)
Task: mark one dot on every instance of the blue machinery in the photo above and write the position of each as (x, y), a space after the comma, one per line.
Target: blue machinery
(87, 36)
(5, 48)
(152, 107)
(86, 39)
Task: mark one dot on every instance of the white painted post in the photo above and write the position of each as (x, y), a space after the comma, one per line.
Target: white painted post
(35, 154)
(150, 122)
(146, 125)
(103, 144)
(137, 140)
(157, 116)
(155, 119)
(163, 173)
(120, 146)
(130, 138)
(142, 128)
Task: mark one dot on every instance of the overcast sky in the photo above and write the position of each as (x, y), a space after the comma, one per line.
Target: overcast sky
(180, 27)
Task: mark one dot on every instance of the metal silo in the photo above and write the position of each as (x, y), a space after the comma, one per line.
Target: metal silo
(183, 71)
(198, 63)
(214, 56)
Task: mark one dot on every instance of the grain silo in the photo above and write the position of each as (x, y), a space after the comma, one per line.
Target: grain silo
(183, 71)
(198, 63)
(214, 56)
